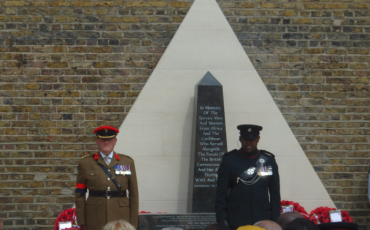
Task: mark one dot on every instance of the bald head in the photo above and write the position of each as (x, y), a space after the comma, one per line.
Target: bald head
(288, 217)
(268, 225)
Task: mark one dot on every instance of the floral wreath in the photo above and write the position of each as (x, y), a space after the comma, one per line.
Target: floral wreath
(321, 215)
(296, 207)
(65, 216)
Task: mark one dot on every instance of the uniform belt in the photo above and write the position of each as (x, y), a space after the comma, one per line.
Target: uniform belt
(107, 194)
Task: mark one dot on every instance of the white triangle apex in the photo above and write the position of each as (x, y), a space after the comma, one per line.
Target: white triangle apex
(157, 132)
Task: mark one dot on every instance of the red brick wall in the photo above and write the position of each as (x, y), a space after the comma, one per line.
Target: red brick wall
(69, 66)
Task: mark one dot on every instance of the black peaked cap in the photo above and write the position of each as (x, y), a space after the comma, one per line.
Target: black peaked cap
(249, 131)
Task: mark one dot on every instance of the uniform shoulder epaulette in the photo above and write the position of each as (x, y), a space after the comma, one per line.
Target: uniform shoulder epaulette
(124, 155)
(228, 153)
(267, 153)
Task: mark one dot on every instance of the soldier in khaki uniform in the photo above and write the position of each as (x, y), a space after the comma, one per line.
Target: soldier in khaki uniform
(112, 197)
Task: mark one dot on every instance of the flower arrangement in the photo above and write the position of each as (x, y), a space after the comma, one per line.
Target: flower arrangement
(65, 216)
(321, 215)
(296, 207)
(346, 217)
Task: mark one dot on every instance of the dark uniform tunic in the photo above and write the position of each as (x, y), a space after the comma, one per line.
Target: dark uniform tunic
(243, 204)
(95, 212)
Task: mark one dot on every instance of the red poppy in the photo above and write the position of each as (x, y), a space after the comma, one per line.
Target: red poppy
(67, 215)
(322, 215)
(296, 207)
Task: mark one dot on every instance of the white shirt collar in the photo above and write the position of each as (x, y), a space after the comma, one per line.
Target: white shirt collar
(110, 156)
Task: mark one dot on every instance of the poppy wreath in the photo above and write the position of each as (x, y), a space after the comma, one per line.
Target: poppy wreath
(65, 216)
(296, 207)
(321, 215)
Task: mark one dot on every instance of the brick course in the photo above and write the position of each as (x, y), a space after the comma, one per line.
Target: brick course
(69, 66)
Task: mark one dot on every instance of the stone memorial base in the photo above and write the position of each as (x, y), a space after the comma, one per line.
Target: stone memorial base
(190, 221)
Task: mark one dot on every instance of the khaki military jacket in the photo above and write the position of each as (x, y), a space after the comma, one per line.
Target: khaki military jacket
(95, 212)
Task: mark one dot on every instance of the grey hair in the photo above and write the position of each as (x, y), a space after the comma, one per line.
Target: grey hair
(118, 225)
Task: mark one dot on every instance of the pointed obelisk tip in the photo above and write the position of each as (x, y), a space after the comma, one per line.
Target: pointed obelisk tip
(209, 79)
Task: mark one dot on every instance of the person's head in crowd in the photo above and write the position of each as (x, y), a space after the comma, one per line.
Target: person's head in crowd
(301, 224)
(217, 226)
(118, 225)
(268, 225)
(250, 227)
(288, 217)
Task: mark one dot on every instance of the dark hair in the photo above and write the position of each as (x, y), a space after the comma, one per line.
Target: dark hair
(287, 217)
(217, 226)
(301, 224)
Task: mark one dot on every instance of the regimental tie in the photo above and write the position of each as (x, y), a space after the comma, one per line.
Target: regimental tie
(106, 159)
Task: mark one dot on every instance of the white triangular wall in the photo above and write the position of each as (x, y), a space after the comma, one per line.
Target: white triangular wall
(157, 132)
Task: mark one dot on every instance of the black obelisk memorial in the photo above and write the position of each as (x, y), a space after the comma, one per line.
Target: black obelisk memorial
(209, 145)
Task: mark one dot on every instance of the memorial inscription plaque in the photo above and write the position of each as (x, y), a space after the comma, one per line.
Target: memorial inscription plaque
(190, 221)
(210, 143)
